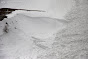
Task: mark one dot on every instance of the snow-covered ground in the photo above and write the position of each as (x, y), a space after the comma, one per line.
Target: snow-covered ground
(26, 37)
(30, 35)
(39, 27)
(23, 32)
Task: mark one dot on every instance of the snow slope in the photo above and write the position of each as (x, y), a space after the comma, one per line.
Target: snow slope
(40, 27)
(70, 41)
(22, 36)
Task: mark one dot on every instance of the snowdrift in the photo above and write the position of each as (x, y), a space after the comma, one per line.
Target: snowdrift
(39, 27)
(27, 37)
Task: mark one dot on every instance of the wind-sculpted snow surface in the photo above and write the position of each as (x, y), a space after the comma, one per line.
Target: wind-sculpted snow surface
(27, 37)
(40, 27)
(53, 39)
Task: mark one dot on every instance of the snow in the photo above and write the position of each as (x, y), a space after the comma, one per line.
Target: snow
(54, 8)
(39, 27)
(25, 34)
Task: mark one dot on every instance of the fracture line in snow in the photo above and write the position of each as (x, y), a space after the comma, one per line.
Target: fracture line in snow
(4, 12)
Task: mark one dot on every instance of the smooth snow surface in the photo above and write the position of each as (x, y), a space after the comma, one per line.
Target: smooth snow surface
(38, 27)
(23, 35)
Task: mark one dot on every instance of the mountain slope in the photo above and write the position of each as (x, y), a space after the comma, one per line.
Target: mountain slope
(27, 37)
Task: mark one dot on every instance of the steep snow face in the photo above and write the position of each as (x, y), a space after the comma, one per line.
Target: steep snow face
(39, 27)
(53, 8)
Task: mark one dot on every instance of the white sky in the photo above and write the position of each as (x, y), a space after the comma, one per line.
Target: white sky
(54, 8)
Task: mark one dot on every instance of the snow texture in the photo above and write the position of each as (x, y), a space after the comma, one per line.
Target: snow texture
(23, 32)
(25, 37)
